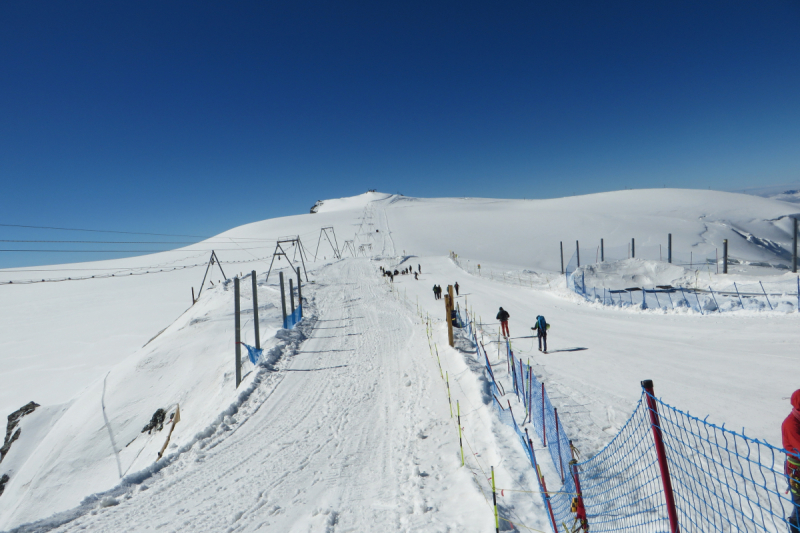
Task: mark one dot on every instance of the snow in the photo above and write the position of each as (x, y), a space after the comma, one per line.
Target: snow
(348, 426)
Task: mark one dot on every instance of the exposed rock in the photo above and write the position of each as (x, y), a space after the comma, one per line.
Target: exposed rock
(13, 422)
(316, 206)
(156, 421)
(3, 481)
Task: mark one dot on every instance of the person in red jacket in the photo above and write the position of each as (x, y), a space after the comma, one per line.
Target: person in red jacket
(790, 431)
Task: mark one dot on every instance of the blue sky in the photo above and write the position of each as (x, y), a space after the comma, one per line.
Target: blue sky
(194, 117)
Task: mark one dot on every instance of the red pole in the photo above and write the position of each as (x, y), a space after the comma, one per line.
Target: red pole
(544, 428)
(547, 498)
(580, 512)
(558, 444)
(661, 452)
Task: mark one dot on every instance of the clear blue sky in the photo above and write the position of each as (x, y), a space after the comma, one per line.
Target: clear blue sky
(194, 117)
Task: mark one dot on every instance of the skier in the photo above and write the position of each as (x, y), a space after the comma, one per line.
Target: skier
(435, 292)
(541, 328)
(456, 288)
(790, 431)
(503, 317)
(416, 277)
(419, 269)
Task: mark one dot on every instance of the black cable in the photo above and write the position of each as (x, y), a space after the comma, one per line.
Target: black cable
(104, 231)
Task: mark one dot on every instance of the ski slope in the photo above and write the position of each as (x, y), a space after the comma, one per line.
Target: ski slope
(348, 426)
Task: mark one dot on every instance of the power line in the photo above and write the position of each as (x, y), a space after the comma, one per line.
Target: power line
(105, 231)
(134, 251)
(137, 242)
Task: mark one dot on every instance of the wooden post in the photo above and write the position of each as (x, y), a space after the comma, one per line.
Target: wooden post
(602, 251)
(237, 325)
(578, 252)
(448, 304)
(725, 256)
(661, 453)
(255, 310)
(283, 298)
(633, 248)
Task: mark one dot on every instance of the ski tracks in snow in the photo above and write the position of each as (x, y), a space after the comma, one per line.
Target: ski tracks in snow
(351, 434)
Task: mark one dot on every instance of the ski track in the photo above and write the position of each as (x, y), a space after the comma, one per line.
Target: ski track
(361, 380)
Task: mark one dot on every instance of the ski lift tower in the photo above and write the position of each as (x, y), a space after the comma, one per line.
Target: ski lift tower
(279, 251)
(335, 245)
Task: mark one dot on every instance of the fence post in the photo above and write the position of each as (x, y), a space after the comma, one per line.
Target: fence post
(561, 246)
(547, 498)
(602, 252)
(558, 445)
(633, 248)
(765, 295)
(458, 411)
(661, 452)
(580, 511)
(299, 293)
(193, 300)
(494, 500)
(715, 298)
(669, 248)
(291, 294)
(544, 428)
(794, 245)
(740, 296)
(237, 326)
(255, 310)
(283, 298)
(578, 252)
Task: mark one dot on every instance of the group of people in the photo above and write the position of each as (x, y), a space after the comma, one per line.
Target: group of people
(437, 291)
(388, 272)
(540, 327)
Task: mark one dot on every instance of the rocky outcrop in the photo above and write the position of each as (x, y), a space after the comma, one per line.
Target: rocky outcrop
(11, 435)
(13, 422)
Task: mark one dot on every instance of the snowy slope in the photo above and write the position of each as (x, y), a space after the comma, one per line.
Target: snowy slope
(86, 438)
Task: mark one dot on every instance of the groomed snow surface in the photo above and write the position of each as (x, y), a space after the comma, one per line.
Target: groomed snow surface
(346, 423)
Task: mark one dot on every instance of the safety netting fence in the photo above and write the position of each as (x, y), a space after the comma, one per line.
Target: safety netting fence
(664, 471)
(779, 295)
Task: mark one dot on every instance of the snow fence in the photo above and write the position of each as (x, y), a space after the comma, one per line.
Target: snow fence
(783, 295)
(665, 470)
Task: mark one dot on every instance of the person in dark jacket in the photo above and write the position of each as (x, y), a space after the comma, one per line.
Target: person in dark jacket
(435, 292)
(790, 431)
(541, 332)
(456, 288)
(503, 317)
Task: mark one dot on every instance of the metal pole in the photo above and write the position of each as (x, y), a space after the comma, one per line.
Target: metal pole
(602, 251)
(193, 300)
(238, 331)
(633, 248)
(494, 500)
(299, 293)
(544, 428)
(291, 294)
(460, 445)
(283, 298)
(558, 445)
(561, 245)
(669, 248)
(725, 256)
(580, 514)
(255, 309)
(578, 252)
(794, 246)
(661, 453)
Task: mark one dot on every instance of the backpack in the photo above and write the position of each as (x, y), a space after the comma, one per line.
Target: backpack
(541, 324)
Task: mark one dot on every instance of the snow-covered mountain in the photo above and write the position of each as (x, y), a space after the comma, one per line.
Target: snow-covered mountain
(349, 423)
